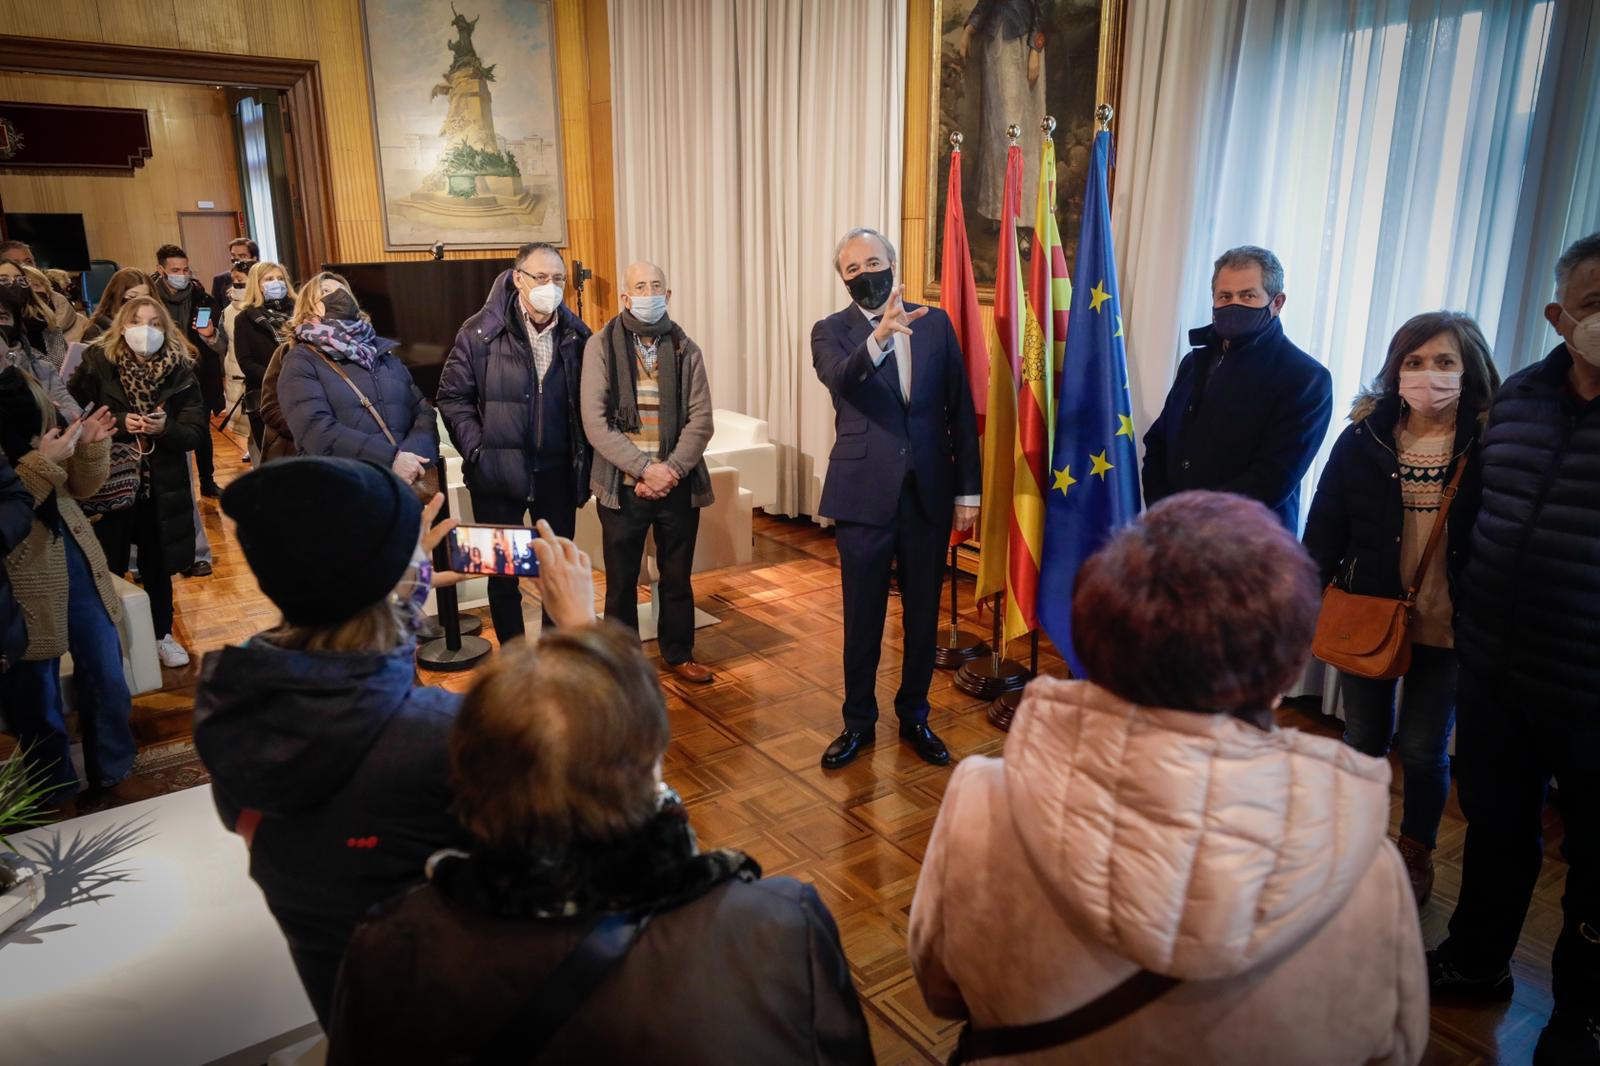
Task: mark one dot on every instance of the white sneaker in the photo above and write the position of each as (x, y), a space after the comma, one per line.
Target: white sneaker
(171, 652)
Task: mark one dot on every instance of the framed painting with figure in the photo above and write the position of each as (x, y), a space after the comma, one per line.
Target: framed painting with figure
(467, 123)
(1001, 62)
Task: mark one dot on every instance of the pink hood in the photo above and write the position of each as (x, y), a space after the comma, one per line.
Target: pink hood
(1192, 844)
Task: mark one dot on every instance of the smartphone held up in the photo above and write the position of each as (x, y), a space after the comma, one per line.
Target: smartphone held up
(493, 551)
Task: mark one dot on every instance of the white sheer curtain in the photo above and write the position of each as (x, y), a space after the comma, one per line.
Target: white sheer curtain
(257, 179)
(1399, 156)
(749, 135)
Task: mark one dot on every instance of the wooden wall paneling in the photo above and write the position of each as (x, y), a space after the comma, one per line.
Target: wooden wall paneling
(914, 183)
(126, 217)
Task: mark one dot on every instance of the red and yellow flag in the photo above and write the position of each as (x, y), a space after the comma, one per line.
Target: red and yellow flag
(1000, 420)
(958, 295)
(1035, 403)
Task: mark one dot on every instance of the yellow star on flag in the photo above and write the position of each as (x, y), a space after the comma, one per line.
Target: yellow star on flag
(1127, 426)
(1118, 333)
(1097, 296)
(1100, 465)
(1064, 479)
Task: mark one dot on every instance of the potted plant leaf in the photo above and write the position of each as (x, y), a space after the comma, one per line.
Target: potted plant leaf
(23, 792)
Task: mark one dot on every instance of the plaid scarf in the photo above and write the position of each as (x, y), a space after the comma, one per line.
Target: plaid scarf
(354, 341)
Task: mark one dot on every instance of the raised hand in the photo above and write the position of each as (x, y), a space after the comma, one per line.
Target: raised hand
(896, 319)
(57, 445)
(566, 578)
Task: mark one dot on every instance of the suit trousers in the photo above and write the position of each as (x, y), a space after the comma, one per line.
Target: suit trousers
(916, 546)
(676, 523)
(552, 501)
(1507, 750)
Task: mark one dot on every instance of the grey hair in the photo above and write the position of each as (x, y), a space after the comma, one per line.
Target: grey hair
(1247, 254)
(860, 231)
(1579, 251)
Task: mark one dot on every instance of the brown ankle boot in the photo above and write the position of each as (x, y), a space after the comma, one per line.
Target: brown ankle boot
(1419, 864)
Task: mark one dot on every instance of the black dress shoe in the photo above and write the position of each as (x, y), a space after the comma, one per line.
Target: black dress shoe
(926, 743)
(210, 490)
(845, 747)
(1446, 980)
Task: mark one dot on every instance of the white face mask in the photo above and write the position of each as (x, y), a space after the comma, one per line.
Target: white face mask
(146, 340)
(1430, 391)
(236, 293)
(1586, 337)
(544, 299)
(275, 290)
(178, 282)
(648, 309)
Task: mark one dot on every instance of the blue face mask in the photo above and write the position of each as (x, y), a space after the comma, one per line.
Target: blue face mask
(1236, 322)
(649, 309)
(178, 282)
(275, 290)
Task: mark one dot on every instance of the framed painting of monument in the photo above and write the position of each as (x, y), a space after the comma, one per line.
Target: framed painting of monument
(465, 115)
(996, 63)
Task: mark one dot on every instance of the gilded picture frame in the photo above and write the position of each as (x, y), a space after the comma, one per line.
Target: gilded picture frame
(1079, 67)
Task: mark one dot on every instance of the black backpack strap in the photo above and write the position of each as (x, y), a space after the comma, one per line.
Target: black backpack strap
(524, 1037)
(1137, 991)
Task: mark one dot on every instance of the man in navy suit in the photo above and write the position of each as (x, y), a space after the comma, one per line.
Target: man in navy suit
(904, 468)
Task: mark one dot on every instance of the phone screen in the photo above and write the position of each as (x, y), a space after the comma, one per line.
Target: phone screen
(496, 551)
(202, 318)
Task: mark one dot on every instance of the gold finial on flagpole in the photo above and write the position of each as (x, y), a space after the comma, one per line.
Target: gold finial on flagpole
(1014, 132)
(955, 140)
(1048, 126)
(1102, 115)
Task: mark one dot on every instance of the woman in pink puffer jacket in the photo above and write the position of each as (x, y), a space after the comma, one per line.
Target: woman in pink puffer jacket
(1151, 830)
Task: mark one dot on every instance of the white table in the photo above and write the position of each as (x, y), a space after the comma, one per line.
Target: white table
(153, 946)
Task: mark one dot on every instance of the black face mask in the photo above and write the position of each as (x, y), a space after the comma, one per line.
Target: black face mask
(340, 305)
(14, 298)
(871, 288)
(1235, 322)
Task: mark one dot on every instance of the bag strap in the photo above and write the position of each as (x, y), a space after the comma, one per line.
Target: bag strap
(1449, 492)
(564, 990)
(371, 410)
(1125, 999)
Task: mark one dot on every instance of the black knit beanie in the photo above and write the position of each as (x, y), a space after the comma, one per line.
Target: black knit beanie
(326, 538)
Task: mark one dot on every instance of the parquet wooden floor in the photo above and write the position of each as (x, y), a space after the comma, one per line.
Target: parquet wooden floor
(744, 757)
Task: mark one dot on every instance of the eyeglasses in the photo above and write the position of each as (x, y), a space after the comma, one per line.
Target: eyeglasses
(7, 280)
(544, 279)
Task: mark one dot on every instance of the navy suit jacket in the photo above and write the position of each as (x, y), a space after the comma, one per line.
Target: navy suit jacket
(879, 438)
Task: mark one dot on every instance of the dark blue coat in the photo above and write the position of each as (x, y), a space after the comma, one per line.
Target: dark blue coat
(1530, 610)
(326, 418)
(333, 766)
(16, 522)
(490, 400)
(1357, 519)
(879, 439)
(1251, 427)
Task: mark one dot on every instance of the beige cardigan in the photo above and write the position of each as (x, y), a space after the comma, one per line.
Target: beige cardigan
(1253, 865)
(38, 566)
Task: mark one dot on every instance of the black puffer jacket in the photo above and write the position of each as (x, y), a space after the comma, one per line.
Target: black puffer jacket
(1530, 610)
(1357, 518)
(96, 381)
(183, 307)
(487, 399)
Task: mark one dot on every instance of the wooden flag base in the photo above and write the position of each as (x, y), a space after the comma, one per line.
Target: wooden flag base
(956, 646)
(1004, 709)
(990, 676)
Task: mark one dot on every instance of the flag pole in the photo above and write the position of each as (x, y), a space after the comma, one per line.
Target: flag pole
(992, 675)
(956, 645)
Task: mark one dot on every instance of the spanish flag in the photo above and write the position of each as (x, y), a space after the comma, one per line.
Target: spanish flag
(1000, 419)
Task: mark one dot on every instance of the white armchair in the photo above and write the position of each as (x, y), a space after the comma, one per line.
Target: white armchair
(740, 441)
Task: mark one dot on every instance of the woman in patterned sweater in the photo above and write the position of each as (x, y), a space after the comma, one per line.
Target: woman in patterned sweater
(1370, 520)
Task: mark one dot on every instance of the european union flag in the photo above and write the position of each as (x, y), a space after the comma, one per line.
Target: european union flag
(1094, 469)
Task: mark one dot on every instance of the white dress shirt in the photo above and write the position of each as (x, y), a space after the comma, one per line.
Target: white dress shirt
(902, 362)
(541, 341)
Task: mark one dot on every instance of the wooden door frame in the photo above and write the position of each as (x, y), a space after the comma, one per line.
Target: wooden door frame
(300, 80)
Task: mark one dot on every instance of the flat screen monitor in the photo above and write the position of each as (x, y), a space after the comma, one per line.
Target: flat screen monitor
(58, 240)
(422, 304)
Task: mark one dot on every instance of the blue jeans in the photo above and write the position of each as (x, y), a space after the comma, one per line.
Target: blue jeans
(32, 692)
(1427, 712)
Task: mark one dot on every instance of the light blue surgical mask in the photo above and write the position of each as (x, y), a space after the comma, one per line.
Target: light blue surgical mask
(178, 282)
(649, 309)
(275, 290)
